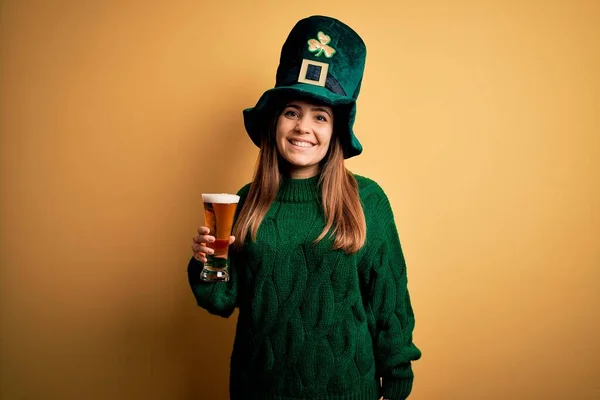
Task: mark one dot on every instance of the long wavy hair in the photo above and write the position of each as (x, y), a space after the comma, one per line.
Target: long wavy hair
(345, 219)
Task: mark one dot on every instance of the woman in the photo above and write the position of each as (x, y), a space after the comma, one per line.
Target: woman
(317, 269)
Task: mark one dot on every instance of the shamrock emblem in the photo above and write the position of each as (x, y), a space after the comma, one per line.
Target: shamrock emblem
(320, 46)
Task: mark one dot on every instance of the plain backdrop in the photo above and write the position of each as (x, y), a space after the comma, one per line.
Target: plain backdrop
(480, 119)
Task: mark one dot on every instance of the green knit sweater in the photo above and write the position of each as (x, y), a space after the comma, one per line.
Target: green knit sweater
(315, 323)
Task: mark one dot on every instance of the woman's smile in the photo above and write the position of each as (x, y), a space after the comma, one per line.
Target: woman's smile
(301, 143)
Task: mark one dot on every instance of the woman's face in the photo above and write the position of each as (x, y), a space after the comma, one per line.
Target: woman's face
(303, 135)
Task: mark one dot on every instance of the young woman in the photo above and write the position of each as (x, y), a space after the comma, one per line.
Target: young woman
(316, 266)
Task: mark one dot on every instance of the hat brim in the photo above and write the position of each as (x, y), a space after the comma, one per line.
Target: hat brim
(257, 119)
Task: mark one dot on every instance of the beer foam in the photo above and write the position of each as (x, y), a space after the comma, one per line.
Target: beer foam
(220, 198)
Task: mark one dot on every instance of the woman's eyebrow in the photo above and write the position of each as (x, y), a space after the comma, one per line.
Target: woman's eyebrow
(321, 109)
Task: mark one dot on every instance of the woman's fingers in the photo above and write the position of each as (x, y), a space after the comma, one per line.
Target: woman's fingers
(200, 257)
(200, 252)
(209, 239)
(203, 239)
(199, 243)
(198, 248)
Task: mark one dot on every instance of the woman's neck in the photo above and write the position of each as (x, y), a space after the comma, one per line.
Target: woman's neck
(295, 172)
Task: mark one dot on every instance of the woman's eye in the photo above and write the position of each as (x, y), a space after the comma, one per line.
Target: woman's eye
(290, 113)
(321, 118)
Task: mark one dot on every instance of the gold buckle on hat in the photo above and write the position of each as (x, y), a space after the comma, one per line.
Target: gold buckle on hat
(304, 70)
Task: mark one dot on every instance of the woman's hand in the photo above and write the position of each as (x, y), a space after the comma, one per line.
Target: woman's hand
(199, 245)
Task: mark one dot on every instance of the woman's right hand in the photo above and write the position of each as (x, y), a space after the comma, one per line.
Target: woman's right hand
(199, 245)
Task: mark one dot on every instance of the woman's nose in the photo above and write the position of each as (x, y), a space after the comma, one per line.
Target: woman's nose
(303, 125)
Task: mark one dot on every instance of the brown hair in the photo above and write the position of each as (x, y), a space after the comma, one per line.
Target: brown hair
(339, 192)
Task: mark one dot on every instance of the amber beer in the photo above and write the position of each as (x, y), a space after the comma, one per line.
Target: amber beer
(219, 211)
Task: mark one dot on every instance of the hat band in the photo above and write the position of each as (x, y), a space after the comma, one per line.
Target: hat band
(292, 75)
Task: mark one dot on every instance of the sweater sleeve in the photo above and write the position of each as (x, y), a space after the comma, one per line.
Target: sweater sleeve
(389, 302)
(218, 298)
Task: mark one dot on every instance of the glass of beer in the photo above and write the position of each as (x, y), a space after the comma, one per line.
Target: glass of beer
(219, 211)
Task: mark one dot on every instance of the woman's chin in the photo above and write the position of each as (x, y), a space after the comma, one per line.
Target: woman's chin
(298, 161)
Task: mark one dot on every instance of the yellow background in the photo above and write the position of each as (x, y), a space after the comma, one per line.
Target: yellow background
(480, 119)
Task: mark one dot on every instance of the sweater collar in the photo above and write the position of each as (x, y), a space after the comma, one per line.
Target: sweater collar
(299, 190)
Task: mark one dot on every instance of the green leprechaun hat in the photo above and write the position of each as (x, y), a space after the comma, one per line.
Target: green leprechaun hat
(322, 59)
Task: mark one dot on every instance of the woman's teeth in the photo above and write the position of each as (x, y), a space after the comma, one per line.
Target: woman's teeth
(301, 144)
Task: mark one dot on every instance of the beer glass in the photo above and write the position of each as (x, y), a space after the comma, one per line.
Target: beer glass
(219, 211)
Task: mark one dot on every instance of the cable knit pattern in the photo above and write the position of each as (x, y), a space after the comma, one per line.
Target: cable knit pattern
(315, 323)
